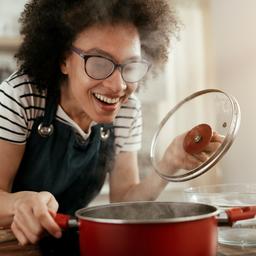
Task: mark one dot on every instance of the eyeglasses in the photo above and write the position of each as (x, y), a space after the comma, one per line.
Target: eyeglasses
(99, 67)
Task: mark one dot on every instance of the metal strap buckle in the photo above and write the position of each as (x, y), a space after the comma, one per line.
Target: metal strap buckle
(104, 133)
(45, 131)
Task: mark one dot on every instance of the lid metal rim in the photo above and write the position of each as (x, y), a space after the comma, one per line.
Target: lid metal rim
(235, 123)
(79, 215)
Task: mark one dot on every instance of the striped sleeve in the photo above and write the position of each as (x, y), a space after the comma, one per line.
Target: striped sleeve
(128, 126)
(20, 104)
(13, 125)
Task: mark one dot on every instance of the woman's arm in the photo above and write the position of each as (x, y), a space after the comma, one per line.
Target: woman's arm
(26, 212)
(125, 184)
(10, 158)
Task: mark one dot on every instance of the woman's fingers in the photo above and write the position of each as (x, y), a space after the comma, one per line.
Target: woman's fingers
(32, 216)
(23, 227)
(26, 221)
(48, 223)
(211, 147)
(176, 158)
(209, 150)
(22, 239)
(216, 137)
(52, 203)
(202, 157)
(190, 162)
(41, 212)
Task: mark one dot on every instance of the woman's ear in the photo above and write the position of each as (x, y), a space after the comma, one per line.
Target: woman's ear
(63, 66)
(64, 63)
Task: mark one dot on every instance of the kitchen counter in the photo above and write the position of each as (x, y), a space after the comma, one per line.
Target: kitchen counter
(12, 248)
(224, 250)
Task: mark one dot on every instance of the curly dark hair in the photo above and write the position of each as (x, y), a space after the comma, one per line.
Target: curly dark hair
(49, 27)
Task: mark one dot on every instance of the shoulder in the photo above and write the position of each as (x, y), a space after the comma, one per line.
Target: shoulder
(129, 112)
(20, 88)
(21, 84)
(128, 126)
(131, 108)
(20, 104)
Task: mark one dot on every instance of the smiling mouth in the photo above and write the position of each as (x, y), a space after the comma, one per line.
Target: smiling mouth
(105, 99)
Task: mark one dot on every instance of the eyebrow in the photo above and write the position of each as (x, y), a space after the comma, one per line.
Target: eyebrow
(106, 54)
(98, 51)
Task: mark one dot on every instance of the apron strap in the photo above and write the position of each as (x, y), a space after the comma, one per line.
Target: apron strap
(45, 128)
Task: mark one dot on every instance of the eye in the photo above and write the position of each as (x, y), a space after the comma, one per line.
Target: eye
(99, 67)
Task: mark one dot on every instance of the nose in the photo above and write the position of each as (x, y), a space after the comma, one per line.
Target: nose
(115, 82)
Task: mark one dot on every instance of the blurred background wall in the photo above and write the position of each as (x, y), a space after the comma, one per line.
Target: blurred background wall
(9, 30)
(234, 52)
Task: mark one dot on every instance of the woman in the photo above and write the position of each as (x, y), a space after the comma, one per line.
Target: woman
(69, 115)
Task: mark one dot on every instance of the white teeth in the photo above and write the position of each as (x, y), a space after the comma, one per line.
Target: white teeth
(106, 99)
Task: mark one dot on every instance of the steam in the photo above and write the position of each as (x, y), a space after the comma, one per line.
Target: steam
(147, 211)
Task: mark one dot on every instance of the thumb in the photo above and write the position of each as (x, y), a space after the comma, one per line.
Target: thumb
(49, 200)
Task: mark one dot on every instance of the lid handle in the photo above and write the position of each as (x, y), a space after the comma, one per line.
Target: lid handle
(197, 139)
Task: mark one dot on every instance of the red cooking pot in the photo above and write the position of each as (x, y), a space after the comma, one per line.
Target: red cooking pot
(151, 228)
(146, 228)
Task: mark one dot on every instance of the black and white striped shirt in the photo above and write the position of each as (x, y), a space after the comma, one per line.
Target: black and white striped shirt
(21, 103)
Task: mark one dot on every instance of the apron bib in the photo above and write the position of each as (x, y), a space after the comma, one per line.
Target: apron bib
(58, 160)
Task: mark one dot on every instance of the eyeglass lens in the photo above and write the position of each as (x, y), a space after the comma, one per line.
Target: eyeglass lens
(100, 68)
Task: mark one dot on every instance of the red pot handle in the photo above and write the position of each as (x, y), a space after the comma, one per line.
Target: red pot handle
(62, 220)
(241, 213)
(197, 138)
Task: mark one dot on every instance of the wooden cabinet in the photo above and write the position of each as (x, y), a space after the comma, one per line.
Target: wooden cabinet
(8, 47)
(9, 43)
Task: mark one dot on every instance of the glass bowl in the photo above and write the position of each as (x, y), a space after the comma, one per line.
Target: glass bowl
(241, 237)
(223, 195)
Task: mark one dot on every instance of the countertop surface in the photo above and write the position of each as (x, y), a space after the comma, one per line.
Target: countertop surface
(224, 250)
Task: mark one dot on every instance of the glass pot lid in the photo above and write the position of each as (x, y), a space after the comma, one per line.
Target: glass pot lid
(195, 119)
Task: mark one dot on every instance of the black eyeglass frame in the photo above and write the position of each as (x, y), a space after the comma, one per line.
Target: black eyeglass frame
(86, 56)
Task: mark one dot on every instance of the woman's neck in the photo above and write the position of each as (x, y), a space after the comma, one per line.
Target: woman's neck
(69, 106)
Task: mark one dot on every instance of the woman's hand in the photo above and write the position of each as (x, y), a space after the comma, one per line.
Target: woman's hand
(33, 215)
(176, 158)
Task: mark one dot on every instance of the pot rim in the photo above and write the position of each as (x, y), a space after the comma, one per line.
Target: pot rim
(215, 211)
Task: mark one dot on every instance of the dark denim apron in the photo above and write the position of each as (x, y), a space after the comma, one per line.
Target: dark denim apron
(58, 160)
